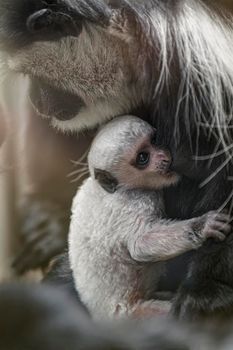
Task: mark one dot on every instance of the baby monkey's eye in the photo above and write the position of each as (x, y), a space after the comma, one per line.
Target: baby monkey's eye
(142, 160)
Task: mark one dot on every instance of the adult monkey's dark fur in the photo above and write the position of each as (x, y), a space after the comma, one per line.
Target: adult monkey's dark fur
(40, 317)
(170, 59)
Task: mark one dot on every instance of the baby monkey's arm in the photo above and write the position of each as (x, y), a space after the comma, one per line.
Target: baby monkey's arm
(166, 239)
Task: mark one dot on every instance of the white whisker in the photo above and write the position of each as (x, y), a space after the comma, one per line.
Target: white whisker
(231, 206)
(226, 201)
(76, 162)
(78, 171)
(80, 176)
(216, 172)
(80, 161)
(214, 154)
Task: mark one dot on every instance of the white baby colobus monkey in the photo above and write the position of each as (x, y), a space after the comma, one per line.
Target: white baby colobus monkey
(119, 234)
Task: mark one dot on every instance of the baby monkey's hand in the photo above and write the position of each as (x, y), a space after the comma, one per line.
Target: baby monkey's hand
(206, 292)
(211, 225)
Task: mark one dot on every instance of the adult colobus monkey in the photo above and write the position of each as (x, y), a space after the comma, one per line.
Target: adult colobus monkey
(37, 317)
(170, 60)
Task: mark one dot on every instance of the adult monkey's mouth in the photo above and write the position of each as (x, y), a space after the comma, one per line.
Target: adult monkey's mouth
(53, 102)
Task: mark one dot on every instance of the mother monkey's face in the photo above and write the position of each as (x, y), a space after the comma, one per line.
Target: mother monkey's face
(78, 55)
(90, 60)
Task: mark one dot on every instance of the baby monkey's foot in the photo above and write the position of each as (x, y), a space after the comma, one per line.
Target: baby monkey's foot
(150, 309)
(211, 225)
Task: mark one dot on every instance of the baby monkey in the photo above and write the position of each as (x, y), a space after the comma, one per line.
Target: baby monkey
(119, 234)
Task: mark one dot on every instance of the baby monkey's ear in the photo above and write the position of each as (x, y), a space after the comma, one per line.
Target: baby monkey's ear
(106, 180)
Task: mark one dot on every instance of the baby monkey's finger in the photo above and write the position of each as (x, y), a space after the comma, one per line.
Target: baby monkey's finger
(216, 235)
(223, 227)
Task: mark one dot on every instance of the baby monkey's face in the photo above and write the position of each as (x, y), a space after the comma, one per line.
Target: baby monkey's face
(146, 165)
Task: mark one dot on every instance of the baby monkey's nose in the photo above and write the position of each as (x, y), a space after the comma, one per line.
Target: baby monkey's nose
(164, 159)
(165, 164)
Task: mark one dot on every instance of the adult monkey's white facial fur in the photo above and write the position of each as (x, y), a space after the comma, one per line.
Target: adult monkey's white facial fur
(116, 257)
(89, 70)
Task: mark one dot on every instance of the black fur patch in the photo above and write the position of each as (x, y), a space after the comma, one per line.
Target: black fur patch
(106, 180)
(25, 21)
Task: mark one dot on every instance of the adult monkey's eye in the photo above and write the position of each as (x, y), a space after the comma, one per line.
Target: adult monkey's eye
(142, 160)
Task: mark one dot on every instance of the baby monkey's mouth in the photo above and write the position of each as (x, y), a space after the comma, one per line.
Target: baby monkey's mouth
(168, 173)
(165, 166)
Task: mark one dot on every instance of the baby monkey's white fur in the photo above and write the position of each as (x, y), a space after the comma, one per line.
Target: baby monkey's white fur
(118, 241)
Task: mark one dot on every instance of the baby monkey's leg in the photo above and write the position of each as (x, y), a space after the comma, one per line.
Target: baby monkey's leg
(149, 309)
(167, 239)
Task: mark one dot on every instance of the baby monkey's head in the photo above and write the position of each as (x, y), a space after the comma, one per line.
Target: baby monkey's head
(125, 154)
